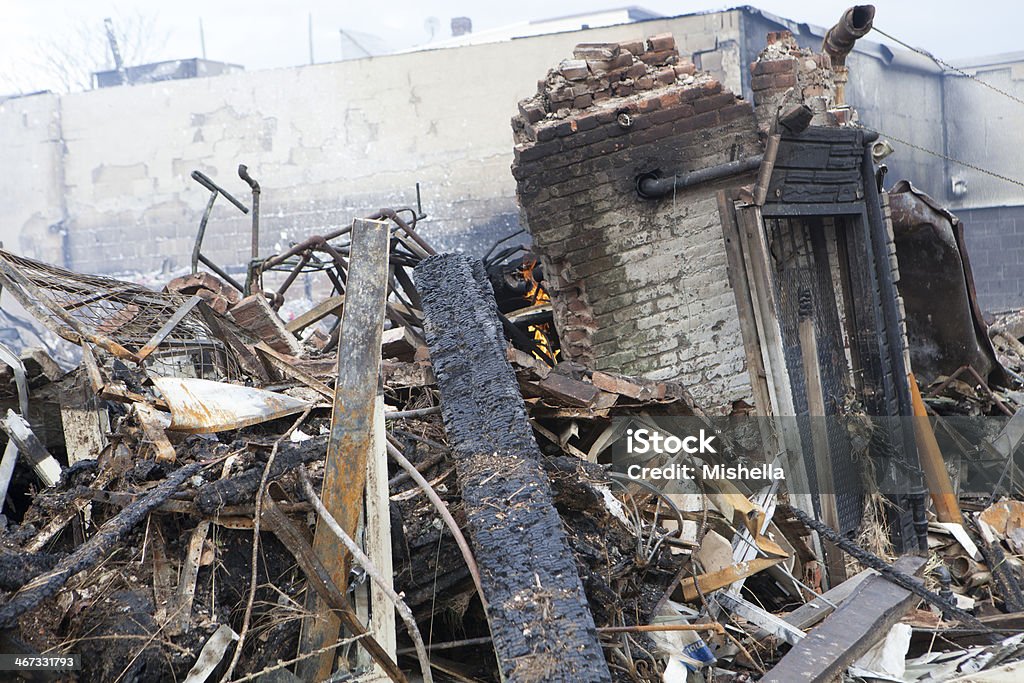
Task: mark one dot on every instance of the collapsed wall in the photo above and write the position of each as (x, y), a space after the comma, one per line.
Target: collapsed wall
(639, 286)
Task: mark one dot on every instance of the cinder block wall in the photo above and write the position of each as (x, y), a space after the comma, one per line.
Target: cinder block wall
(327, 142)
(640, 286)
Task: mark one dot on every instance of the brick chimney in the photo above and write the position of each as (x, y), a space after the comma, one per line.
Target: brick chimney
(639, 286)
(785, 75)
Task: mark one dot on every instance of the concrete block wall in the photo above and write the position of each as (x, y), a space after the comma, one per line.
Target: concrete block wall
(995, 246)
(31, 183)
(639, 286)
(327, 142)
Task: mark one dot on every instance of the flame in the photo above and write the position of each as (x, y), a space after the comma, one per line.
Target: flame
(537, 295)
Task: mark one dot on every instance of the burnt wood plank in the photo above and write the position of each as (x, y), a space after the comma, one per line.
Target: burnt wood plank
(860, 622)
(539, 619)
(352, 429)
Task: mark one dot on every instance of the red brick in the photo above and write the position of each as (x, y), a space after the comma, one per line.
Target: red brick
(573, 69)
(624, 60)
(660, 57)
(634, 47)
(735, 112)
(685, 69)
(784, 80)
(671, 113)
(622, 89)
(714, 102)
(652, 134)
(645, 83)
(532, 112)
(586, 122)
(527, 153)
(773, 66)
(650, 104)
(670, 99)
(601, 95)
(637, 70)
(582, 101)
(662, 41)
(667, 75)
(705, 120)
(596, 51)
(711, 88)
(584, 138)
(691, 93)
(565, 128)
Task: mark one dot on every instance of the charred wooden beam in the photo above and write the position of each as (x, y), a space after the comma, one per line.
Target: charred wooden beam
(92, 551)
(539, 619)
(850, 631)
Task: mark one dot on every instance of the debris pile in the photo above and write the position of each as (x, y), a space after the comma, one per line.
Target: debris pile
(425, 466)
(196, 415)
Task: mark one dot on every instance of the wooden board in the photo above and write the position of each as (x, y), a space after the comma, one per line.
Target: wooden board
(352, 443)
(850, 631)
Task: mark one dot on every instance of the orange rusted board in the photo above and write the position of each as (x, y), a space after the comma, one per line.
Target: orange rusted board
(359, 360)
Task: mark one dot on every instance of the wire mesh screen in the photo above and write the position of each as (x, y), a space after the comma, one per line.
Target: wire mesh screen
(802, 266)
(125, 313)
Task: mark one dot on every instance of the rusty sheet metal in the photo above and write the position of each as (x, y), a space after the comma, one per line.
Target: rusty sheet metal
(945, 326)
(201, 406)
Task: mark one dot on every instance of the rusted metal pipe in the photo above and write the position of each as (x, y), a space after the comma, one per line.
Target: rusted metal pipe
(243, 173)
(855, 23)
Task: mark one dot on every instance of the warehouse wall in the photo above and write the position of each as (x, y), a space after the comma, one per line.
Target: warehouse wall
(31, 186)
(327, 142)
(987, 132)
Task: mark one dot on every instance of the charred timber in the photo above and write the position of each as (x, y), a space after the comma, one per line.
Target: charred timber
(536, 608)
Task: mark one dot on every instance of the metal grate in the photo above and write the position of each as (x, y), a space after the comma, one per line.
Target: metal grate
(799, 252)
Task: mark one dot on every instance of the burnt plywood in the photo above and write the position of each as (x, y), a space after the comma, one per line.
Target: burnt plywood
(818, 166)
(862, 620)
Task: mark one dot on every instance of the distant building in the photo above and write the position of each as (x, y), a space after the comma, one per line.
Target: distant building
(462, 33)
(171, 70)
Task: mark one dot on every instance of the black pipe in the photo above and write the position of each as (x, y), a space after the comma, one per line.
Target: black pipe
(652, 186)
(243, 173)
(878, 236)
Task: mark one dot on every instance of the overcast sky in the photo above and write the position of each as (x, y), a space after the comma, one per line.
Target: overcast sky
(276, 34)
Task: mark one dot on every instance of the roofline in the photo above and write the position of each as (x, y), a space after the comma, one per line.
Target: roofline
(625, 8)
(989, 60)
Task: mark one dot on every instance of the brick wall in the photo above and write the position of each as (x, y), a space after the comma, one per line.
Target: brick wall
(785, 75)
(639, 286)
